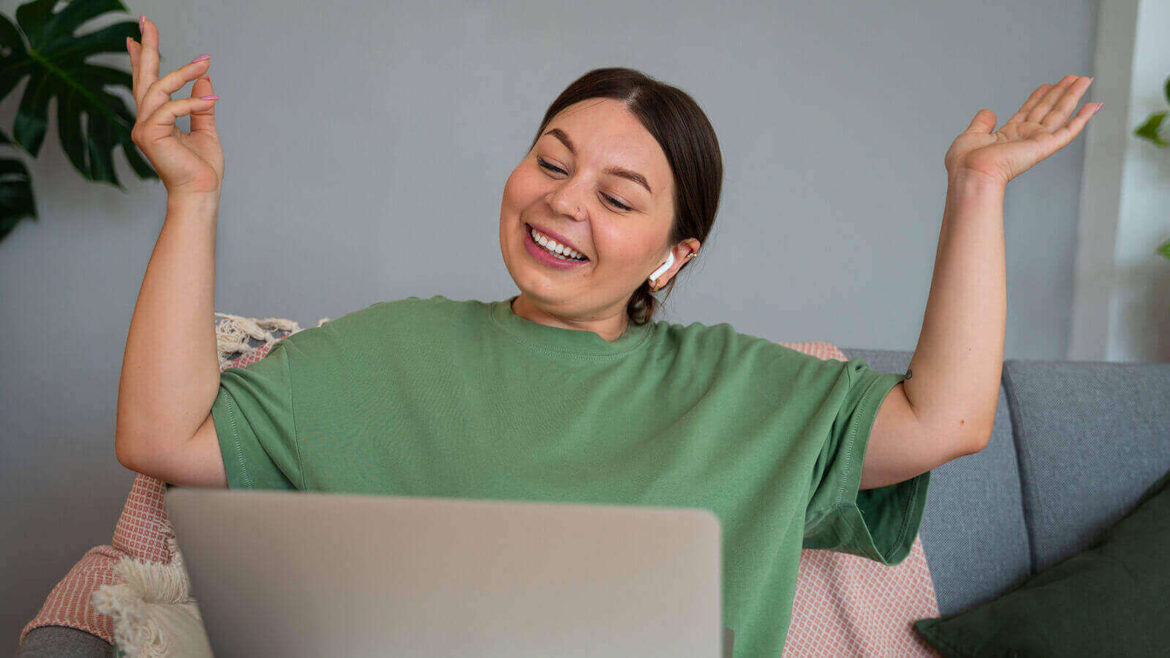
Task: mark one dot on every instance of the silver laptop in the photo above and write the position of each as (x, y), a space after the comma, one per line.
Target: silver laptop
(293, 573)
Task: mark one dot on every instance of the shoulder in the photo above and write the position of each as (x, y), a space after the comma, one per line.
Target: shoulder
(722, 350)
(723, 347)
(386, 321)
(723, 342)
(750, 365)
(406, 312)
(418, 317)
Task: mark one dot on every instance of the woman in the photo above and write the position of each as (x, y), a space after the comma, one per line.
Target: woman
(570, 391)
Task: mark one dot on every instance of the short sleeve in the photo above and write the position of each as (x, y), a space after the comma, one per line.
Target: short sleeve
(253, 415)
(880, 524)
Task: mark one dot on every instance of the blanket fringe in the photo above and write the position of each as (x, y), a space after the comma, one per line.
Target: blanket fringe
(145, 582)
(233, 331)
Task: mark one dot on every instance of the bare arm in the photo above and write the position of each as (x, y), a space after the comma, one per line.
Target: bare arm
(955, 371)
(170, 370)
(945, 408)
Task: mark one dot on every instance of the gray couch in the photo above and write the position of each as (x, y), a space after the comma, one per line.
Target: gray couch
(1074, 446)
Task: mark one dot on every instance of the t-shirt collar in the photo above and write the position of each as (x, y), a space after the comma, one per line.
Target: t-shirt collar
(568, 341)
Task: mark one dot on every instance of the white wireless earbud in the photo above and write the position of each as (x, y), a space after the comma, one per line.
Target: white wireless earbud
(665, 266)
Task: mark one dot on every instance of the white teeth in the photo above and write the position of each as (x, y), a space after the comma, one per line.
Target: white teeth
(560, 250)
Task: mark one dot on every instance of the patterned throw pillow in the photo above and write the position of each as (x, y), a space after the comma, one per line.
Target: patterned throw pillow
(845, 605)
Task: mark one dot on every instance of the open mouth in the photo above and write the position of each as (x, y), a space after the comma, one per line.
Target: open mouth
(551, 252)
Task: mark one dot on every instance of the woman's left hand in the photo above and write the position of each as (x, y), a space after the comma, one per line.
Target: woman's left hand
(1035, 132)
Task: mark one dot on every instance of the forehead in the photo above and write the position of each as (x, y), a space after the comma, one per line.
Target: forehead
(605, 132)
(601, 115)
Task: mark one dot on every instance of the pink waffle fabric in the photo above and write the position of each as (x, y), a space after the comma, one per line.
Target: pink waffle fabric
(845, 605)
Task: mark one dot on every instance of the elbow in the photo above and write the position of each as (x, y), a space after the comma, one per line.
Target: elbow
(124, 453)
(979, 441)
(123, 444)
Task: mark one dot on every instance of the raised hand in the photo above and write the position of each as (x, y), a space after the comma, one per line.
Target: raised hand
(1040, 128)
(189, 164)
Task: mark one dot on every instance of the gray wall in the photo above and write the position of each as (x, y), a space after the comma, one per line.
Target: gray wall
(366, 143)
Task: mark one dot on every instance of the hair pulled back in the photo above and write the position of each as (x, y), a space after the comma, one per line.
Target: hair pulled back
(685, 135)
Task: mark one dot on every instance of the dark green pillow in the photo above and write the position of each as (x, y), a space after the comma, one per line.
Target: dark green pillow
(1111, 600)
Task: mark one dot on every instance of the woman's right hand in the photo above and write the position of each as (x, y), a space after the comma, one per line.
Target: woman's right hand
(189, 164)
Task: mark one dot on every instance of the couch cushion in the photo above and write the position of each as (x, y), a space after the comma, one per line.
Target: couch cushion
(973, 528)
(1108, 601)
(1091, 436)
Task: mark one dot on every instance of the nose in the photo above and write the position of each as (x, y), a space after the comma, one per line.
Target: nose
(565, 202)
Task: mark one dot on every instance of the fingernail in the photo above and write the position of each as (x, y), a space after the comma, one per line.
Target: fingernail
(201, 58)
(213, 97)
(141, 22)
(1099, 106)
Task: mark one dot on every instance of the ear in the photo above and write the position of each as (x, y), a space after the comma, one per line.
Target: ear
(681, 252)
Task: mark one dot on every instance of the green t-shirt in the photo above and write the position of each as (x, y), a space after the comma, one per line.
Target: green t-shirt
(465, 399)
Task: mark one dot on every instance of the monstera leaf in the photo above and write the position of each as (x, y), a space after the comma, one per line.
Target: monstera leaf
(91, 121)
(16, 198)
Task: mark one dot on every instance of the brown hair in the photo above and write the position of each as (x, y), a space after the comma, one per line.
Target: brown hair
(681, 128)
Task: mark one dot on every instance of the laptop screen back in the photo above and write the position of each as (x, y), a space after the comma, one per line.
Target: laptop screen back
(311, 574)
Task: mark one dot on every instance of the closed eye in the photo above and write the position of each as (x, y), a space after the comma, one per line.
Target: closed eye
(612, 200)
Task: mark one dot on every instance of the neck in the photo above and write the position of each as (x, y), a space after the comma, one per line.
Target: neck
(610, 324)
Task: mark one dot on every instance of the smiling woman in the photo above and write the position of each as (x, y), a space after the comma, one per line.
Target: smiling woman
(624, 170)
(568, 392)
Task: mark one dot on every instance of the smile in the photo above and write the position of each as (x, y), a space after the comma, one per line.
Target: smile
(549, 252)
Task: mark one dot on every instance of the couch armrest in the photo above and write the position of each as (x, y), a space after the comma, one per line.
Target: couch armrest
(63, 642)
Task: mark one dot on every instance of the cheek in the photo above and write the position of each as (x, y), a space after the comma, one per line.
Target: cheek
(522, 188)
(621, 249)
(510, 191)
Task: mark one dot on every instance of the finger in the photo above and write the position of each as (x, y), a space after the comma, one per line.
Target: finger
(1066, 133)
(1029, 104)
(147, 60)
(160, 92)
(161, 122)
(133, 48)
(1041, 110)
(203, 119)
(1064, 106)
(1051, 142)
(984, 122)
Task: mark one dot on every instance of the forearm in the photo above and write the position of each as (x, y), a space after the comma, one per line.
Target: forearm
(954, 376)
(170, 370)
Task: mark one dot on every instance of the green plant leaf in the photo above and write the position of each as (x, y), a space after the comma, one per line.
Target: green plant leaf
(46, 52)
(16, 195)
(1149, 129)
(1164, 249)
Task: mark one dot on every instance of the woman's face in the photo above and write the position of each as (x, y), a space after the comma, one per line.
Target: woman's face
(621, 228)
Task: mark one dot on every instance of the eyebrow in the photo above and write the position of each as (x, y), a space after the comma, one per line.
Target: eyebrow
(616, 171)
